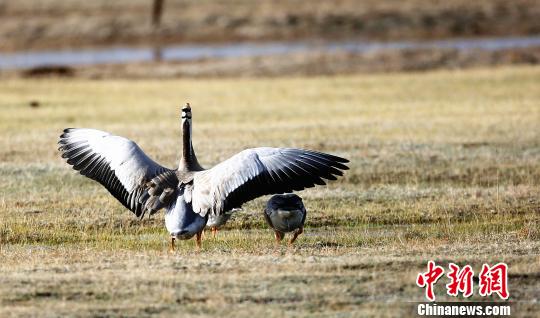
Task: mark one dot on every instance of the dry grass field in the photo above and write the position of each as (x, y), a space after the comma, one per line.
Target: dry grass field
(444, 166)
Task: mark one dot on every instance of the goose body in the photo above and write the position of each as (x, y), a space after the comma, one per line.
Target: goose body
(216, 221)
(191, 194)
(181, 221)
(285, 213)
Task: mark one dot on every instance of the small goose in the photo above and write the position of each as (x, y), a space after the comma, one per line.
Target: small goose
(190, 193)
(215, 222)
(285, 213)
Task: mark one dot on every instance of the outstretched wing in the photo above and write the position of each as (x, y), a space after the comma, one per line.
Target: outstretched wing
(259, 171)
(138, 182)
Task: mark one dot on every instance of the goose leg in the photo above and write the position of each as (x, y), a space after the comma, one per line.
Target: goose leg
(279, 236)
(198, 241)
(296, 233)
(171, 244)
(214, 231)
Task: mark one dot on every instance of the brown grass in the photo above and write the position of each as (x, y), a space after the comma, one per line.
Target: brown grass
(444, 166)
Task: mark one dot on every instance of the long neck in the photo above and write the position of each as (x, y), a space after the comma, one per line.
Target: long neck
(188, 160)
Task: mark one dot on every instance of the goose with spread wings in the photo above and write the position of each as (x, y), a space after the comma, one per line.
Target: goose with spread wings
(190, 193)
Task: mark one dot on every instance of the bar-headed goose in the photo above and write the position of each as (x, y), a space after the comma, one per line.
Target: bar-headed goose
(190, 193)
(285, 213)
(216, 221)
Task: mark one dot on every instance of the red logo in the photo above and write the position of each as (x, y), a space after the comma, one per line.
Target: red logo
(492, 279)
(460, 280)
(429, 278)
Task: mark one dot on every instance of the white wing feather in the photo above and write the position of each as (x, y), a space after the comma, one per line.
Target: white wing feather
(258, 171)
(110, 160)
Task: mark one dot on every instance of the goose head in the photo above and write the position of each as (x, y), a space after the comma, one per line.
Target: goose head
(186, 120)
(186, 125)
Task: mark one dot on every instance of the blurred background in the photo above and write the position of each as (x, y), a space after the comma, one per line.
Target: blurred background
(209, 38)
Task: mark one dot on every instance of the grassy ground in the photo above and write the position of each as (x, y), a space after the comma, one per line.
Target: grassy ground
(444, 166)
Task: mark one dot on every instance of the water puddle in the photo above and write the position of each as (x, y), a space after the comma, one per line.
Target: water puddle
(121, 55)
